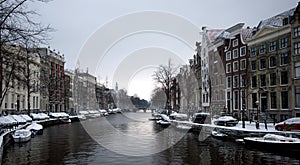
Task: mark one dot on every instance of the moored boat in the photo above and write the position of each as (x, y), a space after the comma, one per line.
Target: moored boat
(275, 142)
(219, 135)
(35, 128)
(21, 135)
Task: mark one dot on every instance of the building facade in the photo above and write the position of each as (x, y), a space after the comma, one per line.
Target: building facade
(271, 69)
(20, 81)
(207, 36)
(53, 80)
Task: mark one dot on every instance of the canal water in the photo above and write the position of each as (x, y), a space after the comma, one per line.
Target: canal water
(130, 138)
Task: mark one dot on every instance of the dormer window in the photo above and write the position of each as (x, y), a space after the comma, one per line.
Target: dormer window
(235, 43)
(285, 21)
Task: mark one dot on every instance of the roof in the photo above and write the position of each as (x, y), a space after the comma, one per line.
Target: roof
(247, 33)
(212, 34)
(276, 21)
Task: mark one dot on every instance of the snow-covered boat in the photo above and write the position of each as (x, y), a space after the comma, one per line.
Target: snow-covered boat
(21, 135)
(35, 128)
(272, 141)
(165, 121)
(219, 135)
(185, 126)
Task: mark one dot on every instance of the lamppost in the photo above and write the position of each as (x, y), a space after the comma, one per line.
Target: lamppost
(257, 114)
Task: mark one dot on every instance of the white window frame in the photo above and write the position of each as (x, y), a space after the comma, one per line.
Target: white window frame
(237, 66)
(241, 66)
(243, 80)
(286, 40)
(297, 31)
(235, 102)
(236, 78)
(297, 70)
(270, 62)
(228, 68)
(243, 54)
(228, 55)
(228, 84)
(252, 51)
(297, 48)
(235, 53)
(235, 43)
(260, 49)
(272, 46)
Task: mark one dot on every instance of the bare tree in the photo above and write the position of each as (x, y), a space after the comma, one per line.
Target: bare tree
(17, 28)
(158, 98)
(164, 76)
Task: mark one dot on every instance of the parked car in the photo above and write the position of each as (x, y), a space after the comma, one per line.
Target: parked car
(289, 124)
(226, 121)
(201, 118)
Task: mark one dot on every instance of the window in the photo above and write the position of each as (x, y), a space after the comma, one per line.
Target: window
(243, 100)
(284, 100)
(284, 78)
(235, 66)
(284, 58)
(236, 99)
(254, 99)
(263, 63)
(263, 80)
(235, 53)
(297, 31)
(235, 81)
(228, 55)
(283, 42)
(272, 79)
(33, 102)
(228, 68)
(243, 64)
(297, 70)
(243, 51)
(297, 97)
(254, 81)
(297, 48)
(253, 51)
(272, 61)
(243, 80)
(228, 82)
(272, 46)
(253, 65)
(273, 100)
(262, 49)
(235, 43)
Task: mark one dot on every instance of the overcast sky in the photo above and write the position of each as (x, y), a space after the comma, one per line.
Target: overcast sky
(77, 21)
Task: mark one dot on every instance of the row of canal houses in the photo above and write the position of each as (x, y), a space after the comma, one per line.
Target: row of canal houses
(52, 88)
(243, 70)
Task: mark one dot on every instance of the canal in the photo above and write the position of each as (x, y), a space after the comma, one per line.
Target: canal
(130, 138)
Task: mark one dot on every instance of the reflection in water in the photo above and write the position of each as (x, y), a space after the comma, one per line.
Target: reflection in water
(131, 133)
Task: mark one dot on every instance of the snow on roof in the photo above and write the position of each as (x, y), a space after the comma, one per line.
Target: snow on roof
(83, 112)
(211, 34)
(276, 21)
(26, 117)
(93, 111)
(247, 33)
(59, 114)
(19, 118)
(7, 120)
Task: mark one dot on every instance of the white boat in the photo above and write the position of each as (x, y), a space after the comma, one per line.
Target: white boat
(165, 121)
(21, 135)
(275, 142)
(35, 128)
